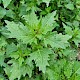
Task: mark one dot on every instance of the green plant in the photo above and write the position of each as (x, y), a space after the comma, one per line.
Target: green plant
(39, 40)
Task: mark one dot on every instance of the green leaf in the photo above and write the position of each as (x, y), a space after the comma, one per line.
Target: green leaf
(31, 20)
(20, 32)
(77, 39)
(6, 3)
(10, 13)
(44, 24)
(76, 66)
(78, 3)
(33, 29)
(50, 74)
(0, 1)
(2, 12)
(2, 77)
(57, 40)
(16, 30)
(21, 60)
(68, 70)
(77, 77)
(47, 2)
(70, 6)
(75, 23)
(48, 22)
(17, 70)
(68, 29)
(11, 48)
(41, 58)
(78, 71)
(69, 53)
(3, 42)
(74, 33)
(2, 58)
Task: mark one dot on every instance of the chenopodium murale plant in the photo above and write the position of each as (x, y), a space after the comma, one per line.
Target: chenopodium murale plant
(38, 34)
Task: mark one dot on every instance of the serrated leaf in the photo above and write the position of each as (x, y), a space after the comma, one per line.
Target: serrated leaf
(16, 30)
(6, 3)
(31, 19)
(74, 33)
(57, 41)
(41, 58)
(48, 21)
(17, 70)
(44, 24)
(68, 70)
(20, 32)
(34, 28)
(69, 52)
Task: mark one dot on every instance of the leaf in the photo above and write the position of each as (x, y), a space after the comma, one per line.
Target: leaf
(77, 77)
(20, 32)
(48, 22)
(2, 58)
(44, 24)
(31, 20)
(33, 29)
(68, 29)
(78, 4)
(41, 58)
(3, 42)
(47, 2)
(10, 13)
(2, 12)
(69, 52)
(6, 3)
(75, 23)
(2, 77)
(21, 60)
(17, 70)
(0, 1)
(76, 66)
(68, 70)
(16, 30)
(78, 71)
(70, 6)
(50, 74)
(11, 48)
(77, 39)
(74, 33)
(57, 40)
